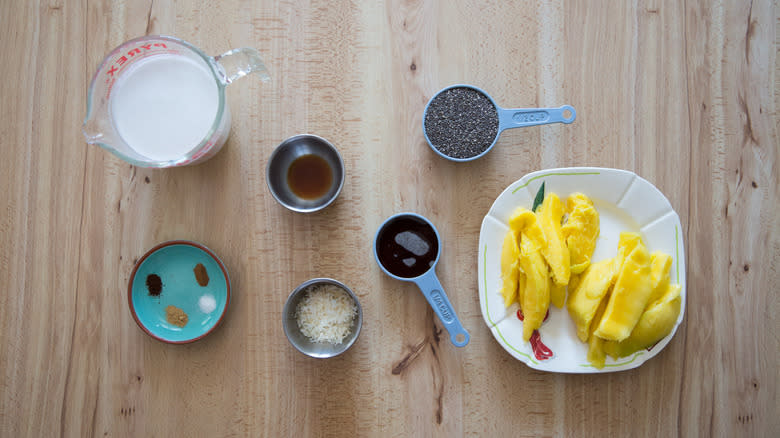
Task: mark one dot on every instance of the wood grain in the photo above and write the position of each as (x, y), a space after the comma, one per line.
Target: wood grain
(684, 94)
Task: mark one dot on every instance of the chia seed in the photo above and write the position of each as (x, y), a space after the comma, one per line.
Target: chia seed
(461, 122)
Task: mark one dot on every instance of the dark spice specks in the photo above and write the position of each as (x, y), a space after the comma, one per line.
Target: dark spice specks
(154, 284)
(461, 122)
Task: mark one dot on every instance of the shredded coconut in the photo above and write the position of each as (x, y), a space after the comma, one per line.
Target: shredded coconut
(325, 313)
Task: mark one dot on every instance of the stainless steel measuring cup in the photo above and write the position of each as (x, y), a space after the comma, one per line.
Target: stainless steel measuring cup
(427, 281)
(507, 118)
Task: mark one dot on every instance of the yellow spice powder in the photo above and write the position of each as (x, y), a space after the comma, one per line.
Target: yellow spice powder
(176, 316)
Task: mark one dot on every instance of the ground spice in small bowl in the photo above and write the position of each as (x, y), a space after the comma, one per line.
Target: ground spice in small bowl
(207, 303)
(154, 285)
(461, 122)
(176, 316)
(201, 275)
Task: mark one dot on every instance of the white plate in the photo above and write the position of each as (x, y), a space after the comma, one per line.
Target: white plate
(625, 202)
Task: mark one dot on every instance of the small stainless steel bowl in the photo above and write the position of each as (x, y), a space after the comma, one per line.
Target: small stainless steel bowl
(279, 165)
(320, 350)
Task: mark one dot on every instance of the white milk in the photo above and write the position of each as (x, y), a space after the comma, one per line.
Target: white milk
(164, 106)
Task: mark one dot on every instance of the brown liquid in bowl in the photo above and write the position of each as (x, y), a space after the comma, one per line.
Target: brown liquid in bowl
(310, 177)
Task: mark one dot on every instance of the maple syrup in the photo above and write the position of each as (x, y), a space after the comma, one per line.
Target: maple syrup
(407, 247)
(310, 177)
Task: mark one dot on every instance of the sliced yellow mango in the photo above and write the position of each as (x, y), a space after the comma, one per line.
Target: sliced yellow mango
(660, 266)
(536, 294)
(629, 296)
(574, 282)
(557, 294)
(655, 324)
(524, 220)
(627, 242)
(510, 257)
(520, 284)
(596, 354)
(584, 300)
(555, 251)
(580, 231)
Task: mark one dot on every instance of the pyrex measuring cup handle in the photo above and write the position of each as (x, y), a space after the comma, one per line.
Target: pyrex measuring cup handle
(238, 63)
(520, 117)
(431, 288)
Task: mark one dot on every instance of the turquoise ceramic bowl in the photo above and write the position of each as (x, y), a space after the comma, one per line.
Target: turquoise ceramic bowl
(174, 262)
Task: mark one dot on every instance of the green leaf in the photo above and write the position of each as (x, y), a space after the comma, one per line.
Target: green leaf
(539, 197)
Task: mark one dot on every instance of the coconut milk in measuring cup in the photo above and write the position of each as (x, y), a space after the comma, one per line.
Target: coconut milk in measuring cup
(158, 101)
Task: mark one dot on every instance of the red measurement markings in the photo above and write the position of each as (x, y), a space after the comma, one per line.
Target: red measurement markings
(121, 63)
(131, 53)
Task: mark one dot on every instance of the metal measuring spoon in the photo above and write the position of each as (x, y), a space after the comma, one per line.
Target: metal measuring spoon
(398, 248)
(506, 118)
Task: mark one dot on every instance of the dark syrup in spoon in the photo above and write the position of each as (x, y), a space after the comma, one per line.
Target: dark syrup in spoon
(407, 247)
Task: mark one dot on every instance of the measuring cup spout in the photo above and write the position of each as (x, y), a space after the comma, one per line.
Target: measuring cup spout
(91, 137)
(92, 129)
(237, 63)
(431, 288)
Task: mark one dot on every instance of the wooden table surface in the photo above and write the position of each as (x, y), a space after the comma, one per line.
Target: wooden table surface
(686, 94)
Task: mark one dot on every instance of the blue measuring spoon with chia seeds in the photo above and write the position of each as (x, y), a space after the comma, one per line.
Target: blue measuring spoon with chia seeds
(507, 118)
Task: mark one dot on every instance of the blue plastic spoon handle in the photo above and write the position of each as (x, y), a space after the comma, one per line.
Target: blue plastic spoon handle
(521, 117)
(431, 288)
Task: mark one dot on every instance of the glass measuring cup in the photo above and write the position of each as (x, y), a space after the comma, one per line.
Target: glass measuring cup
(422, 243)
(100, 125)
(507, 118)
